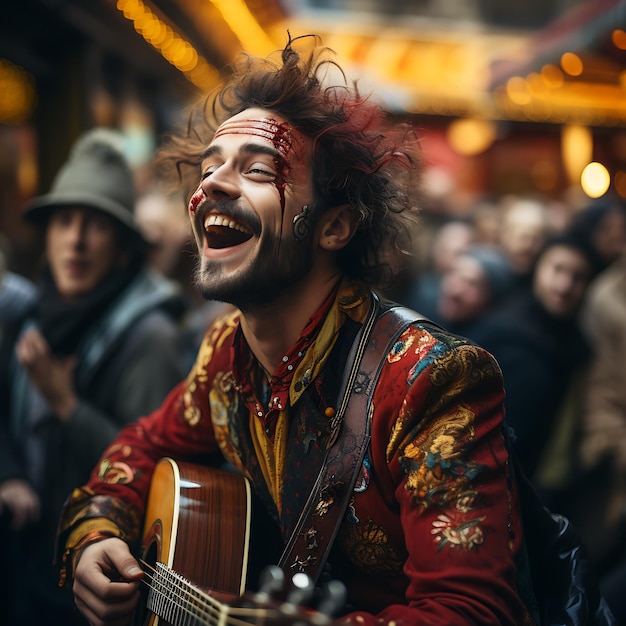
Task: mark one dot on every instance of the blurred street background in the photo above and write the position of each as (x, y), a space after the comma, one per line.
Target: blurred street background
(512, 98)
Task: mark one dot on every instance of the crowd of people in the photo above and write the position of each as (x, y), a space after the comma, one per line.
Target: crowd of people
(547, 301)
(303, 199)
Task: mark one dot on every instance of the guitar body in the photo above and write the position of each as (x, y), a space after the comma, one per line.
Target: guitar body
(198, 524)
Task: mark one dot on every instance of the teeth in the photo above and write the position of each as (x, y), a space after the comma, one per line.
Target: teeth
(222, 220)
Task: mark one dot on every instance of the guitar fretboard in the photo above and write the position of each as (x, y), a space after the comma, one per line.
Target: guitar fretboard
(177, 601)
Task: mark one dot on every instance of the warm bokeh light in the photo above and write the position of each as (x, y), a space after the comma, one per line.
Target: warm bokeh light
(576, 150)
(17, 93)
(518, 91)
(469, 137)
(572, 64)
(595, 180)
(618, 37)
(174, 49)
(243, 23)
(552, 76)
(620, 183)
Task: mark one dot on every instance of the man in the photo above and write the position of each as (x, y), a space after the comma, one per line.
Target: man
(302, 197)
(100, 347)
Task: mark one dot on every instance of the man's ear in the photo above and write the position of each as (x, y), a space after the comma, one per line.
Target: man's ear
(337, 227)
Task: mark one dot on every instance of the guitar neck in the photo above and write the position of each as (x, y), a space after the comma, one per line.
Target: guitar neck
(178, 602)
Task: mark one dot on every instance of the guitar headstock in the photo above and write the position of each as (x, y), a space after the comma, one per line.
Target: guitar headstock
(292, 602)
(277, 602)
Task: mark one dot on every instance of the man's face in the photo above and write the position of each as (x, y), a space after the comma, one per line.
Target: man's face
(256, 176)
(81, 248)
(464, 292)
(561, 277)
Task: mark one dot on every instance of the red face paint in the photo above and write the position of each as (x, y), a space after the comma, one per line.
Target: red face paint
(195, 200)
(279, 135)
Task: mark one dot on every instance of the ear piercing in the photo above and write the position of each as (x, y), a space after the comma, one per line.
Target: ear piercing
(302, 223)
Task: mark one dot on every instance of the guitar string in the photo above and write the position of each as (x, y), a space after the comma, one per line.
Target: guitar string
(206, 606)
(207, 609)
(213, 613)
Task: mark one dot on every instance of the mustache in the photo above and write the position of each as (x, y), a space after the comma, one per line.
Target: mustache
(228, 208)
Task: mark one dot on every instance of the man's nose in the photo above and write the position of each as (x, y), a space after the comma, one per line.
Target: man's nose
(222, 183)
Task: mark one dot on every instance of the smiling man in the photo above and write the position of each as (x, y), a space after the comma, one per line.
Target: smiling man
(303, 201)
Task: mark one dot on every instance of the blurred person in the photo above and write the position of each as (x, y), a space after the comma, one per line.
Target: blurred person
(162, 218)
(99, 349)
(537, 340)
(449, 239)
(486, 218)
(478, 281)
(524, 228)
(603, 223)
(17, 296)
(303, 201)
(603, 442)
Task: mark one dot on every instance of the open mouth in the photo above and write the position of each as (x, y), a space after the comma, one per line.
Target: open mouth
(224, 232)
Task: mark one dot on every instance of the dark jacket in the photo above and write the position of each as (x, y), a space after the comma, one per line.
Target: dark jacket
(126, 365)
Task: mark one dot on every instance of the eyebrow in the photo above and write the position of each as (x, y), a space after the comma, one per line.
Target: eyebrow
(251, 148)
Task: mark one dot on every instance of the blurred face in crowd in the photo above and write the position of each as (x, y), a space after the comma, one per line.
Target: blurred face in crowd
(81, 248)
(256, 177)
(464, 292)
(523, 233)
(609, 237)
(450, 240)
(561, 277)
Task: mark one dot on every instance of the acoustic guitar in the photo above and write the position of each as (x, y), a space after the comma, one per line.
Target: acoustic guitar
(195, 554)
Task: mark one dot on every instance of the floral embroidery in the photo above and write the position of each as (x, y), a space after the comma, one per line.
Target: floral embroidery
(437, 472)
(428, 349)
(465, 535)
(401, 347)
(367, 546)
(115, 473)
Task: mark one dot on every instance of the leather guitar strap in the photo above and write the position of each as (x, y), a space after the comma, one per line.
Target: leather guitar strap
(317, 527)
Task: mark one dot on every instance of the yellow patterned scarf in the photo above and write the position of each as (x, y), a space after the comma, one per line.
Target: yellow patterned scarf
(352, 301)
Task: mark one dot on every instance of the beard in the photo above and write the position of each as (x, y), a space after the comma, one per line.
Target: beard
(280, 264)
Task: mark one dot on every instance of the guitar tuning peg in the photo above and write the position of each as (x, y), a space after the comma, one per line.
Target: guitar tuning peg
(271, 580)
(302, 590)
(333, 598)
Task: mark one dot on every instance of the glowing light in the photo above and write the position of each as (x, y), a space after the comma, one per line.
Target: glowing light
(576, 150)
(552, 76)
(17, 93)
(470, 137)
(595, 180)
(172, 47)
(518, 91)
(239, 19)
(619, 38)
(620, 183)
(572, 64)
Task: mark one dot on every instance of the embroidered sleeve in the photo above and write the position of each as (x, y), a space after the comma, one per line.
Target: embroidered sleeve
(112, 502)
(437, 446)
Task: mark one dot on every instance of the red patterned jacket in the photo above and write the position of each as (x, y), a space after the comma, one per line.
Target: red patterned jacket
(433, 528)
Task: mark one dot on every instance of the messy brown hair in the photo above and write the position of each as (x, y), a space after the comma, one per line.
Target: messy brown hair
(360, 158)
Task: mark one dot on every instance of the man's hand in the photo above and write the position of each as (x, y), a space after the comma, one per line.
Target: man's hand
(20, 500)
(53, 377)
(106, 583)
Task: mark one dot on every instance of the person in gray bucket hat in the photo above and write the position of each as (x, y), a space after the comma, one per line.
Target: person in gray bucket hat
(96, 175)
(100, 349)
